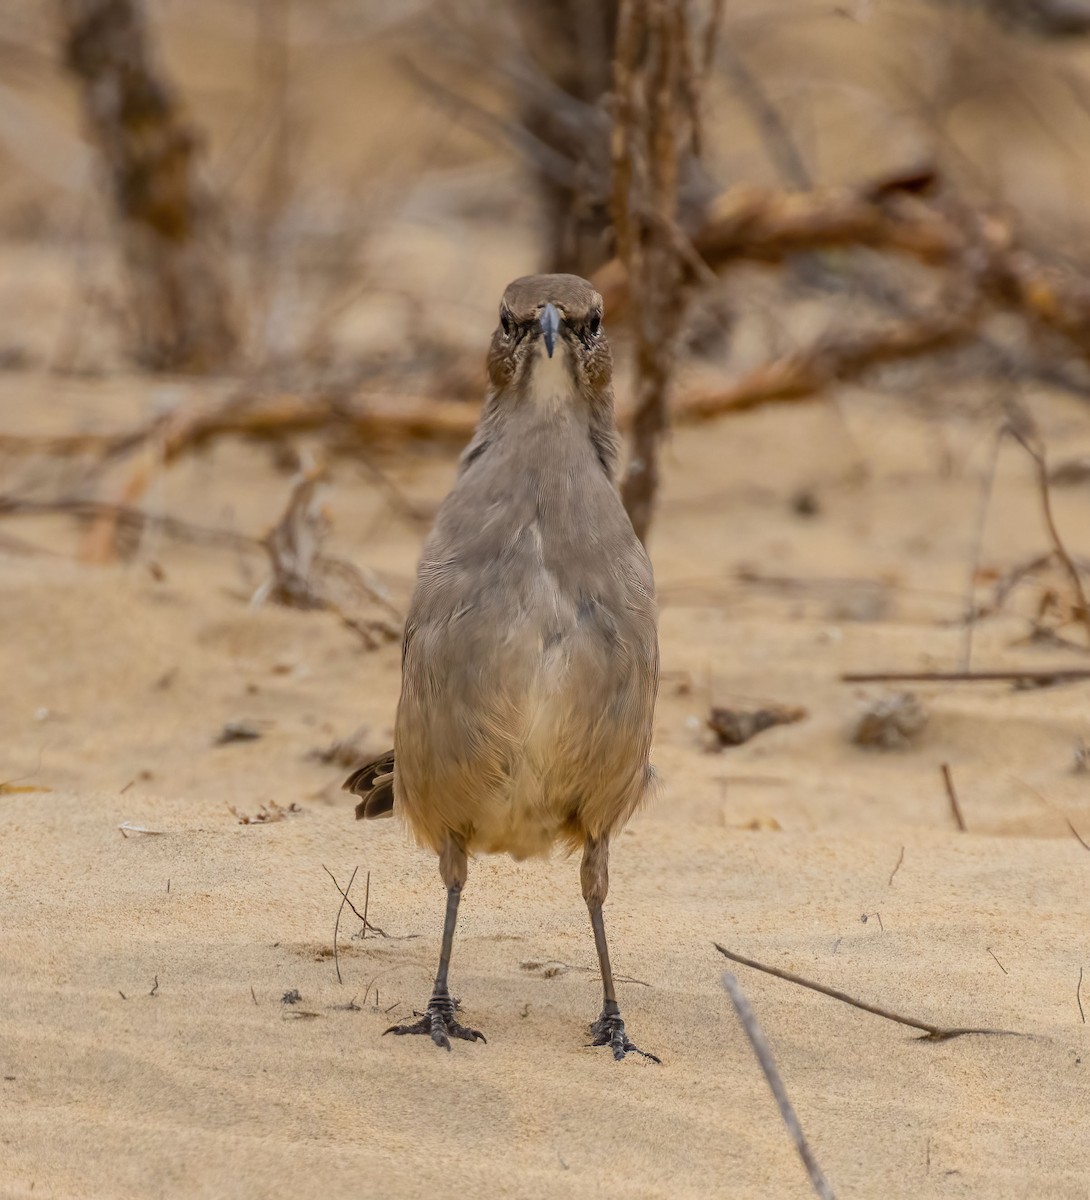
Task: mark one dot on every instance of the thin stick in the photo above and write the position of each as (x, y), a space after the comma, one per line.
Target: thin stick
(952, 796)
(900, 859)
(986, 490)
(997, 962)
(366, 901)
(1038, 456)
(1029, 675)
(933, 1033)
(366, 924)
(764, 1056)
(340, 909)
(1078, 996)
(1078, 836)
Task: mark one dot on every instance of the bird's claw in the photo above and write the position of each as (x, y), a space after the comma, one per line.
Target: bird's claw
(439, 1024)
(609, 1031)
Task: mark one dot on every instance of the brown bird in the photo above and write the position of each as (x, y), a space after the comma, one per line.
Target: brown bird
(530, 658)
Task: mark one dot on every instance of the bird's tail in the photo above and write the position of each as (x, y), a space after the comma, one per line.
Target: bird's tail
(374, 782)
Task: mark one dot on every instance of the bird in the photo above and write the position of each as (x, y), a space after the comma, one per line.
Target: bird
(530, 655)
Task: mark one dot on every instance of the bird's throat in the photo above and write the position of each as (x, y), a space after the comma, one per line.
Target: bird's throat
(550, 384)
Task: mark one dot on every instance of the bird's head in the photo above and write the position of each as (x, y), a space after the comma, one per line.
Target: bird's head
(550, 342)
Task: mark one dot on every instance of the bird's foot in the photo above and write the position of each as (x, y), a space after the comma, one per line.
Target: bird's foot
(609, 1031)
(439, 1024)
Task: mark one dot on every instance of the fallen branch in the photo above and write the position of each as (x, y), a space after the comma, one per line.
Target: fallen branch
(293, 547)
(386, 417)
(1026, 676)
(371, 417)
(806, 373)
(293, 544)
(127, 516)
(754, 224)
(988, 270)
(761, 1049)
(748, 224)
(932, 1033)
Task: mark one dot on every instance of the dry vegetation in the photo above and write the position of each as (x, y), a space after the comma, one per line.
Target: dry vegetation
(250, 257)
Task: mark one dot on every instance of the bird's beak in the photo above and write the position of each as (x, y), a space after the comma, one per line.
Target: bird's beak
(550, 323)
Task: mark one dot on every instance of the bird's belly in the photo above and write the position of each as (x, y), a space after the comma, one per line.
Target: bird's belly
(534, 798)
(526, 723)
(516, 824)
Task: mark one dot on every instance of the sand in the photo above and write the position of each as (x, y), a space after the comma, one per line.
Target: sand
(145, 1046)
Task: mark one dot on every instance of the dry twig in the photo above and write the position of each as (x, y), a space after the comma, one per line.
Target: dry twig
(1028, 675)
(952, 796)
(897, 867)
(932, 1033)
(126, 517)
(293, 544)
(1077, 836)
(293, 547)
(761, 1049)
(366, 923)
(971, 614)
(997, 962)
(1037, 454)
(340, 909)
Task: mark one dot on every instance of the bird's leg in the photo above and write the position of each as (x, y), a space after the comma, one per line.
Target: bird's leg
(438, 1021)
(609, 1029)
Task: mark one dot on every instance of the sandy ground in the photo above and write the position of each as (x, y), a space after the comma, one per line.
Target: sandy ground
(144, 1046)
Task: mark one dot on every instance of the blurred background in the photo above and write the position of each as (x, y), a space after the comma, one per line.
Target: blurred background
(251, 253)
(368, 180)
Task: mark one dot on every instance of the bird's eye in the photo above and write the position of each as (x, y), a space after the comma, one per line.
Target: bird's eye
(595, 324)
(505, 323)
